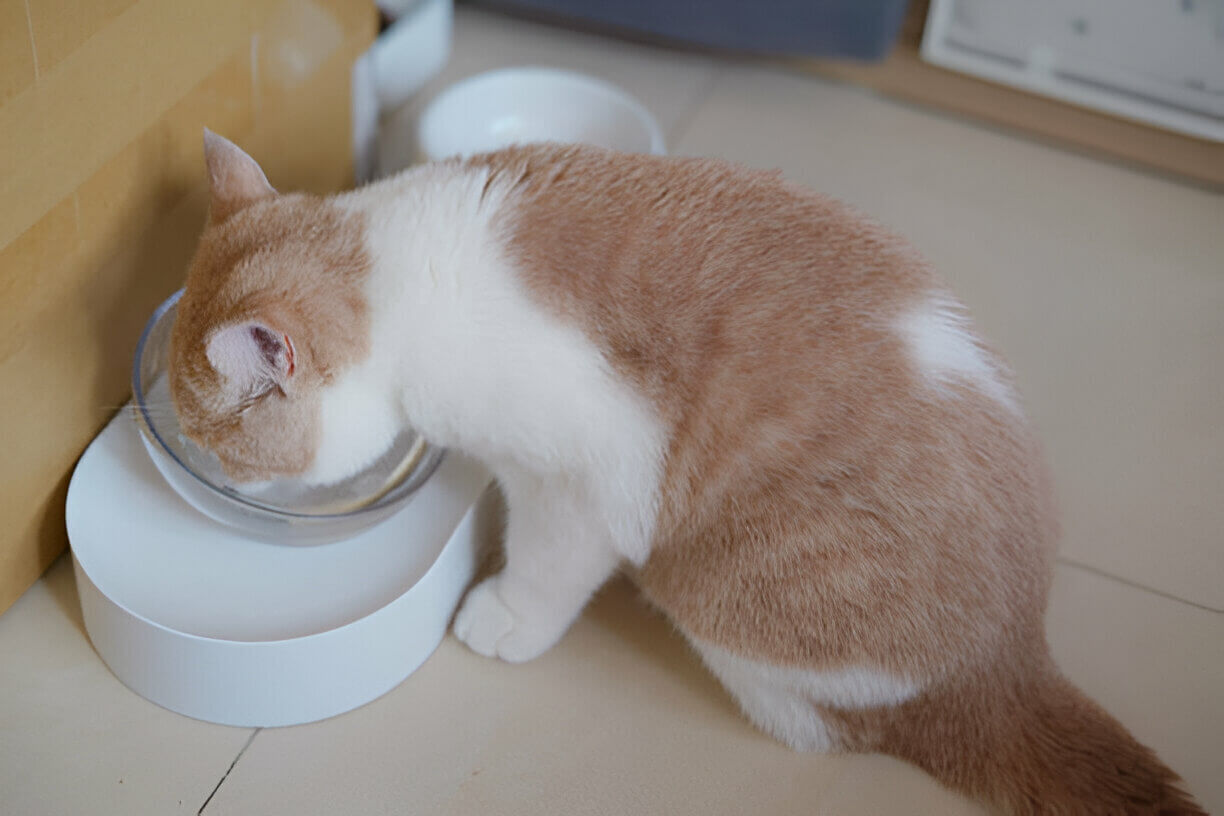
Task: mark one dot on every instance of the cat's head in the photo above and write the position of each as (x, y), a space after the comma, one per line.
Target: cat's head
(273, 316)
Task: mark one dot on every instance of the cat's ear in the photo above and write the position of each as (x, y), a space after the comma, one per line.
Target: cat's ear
(252, 357)
(235, 180)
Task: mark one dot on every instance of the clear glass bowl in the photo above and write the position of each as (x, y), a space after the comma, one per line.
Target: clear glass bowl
(284, 511)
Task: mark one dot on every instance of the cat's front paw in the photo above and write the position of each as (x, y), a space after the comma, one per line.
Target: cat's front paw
(491, 628)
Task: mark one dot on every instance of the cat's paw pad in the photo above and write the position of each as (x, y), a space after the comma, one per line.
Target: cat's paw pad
(489, 627)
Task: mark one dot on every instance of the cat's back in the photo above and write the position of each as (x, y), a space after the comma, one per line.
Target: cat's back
(669, 262)
(599, 216)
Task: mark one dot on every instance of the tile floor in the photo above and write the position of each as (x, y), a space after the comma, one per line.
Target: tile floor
(1103, 285)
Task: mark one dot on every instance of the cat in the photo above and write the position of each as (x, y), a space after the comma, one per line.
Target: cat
(762, 406)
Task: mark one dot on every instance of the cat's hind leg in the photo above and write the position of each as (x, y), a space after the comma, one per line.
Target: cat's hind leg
(785, 701)
(770, 702)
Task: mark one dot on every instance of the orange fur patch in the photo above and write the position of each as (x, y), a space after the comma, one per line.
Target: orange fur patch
(297, 264)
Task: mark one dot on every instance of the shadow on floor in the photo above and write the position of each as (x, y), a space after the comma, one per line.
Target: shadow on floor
(621, 609)
(61, 583)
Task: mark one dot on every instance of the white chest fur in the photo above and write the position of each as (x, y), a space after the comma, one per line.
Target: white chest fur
(473, 362)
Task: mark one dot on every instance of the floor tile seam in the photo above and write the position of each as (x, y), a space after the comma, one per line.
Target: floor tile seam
(1133, 584)
(228, 771)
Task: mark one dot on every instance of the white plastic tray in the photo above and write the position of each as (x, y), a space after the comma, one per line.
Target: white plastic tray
(220, 628)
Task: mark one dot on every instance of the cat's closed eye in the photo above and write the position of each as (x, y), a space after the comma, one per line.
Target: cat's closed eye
(254, 399)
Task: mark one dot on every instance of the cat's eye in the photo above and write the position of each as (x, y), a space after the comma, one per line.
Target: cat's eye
(246, 405)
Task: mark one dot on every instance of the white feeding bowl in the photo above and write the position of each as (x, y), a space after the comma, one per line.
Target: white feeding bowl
(521, 105)
(221, 627)
(199, 613)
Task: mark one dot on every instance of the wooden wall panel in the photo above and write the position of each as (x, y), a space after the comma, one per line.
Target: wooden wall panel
(16, 54)
(101, 169)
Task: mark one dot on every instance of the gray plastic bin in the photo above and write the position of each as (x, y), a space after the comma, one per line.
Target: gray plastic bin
(857, 29)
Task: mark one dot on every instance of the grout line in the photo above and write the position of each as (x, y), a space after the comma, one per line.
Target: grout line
(33, 45)
(1134, 584)
(677, 131)
(225, 776)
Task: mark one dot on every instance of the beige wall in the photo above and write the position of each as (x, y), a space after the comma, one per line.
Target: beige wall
(102, 105)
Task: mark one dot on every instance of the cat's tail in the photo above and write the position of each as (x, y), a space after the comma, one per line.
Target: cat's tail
(1032, 745)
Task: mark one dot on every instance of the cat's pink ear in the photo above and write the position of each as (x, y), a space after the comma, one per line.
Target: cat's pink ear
(251, 357)
(235, 180)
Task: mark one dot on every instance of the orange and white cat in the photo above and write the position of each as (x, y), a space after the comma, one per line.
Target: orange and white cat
(762, 406)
